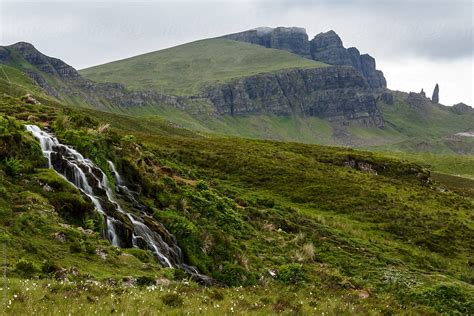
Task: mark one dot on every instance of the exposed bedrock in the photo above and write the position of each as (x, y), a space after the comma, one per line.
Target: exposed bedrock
(326, 47)
(334, 93)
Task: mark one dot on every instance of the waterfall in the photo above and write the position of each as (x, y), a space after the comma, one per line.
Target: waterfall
(92, 182)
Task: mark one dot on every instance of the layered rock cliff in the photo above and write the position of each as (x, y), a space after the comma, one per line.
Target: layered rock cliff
(326, 47)
(334, 93)
(291, 39)
(62, 81)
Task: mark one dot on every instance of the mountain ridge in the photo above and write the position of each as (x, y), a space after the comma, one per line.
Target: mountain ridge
(326, 47)
(298, 99)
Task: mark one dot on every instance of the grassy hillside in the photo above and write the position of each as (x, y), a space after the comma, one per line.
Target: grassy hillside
(185, 69)
(345, 231)
(425, 120)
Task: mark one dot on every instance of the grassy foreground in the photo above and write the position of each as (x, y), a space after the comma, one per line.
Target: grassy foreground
(50, 297)
(341, 231)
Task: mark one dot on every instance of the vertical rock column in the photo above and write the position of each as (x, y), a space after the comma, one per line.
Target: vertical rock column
(435, 97)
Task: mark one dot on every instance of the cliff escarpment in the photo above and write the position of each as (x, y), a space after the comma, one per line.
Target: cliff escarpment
(333, 93)
(326, 47)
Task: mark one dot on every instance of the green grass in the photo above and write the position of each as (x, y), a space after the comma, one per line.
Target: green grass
(239, 208)
(186, 69)
(429, 121)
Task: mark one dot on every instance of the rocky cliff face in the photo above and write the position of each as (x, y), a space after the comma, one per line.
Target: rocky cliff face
(326, 47)
(435, 97)
(291, 39)
(337, 93)
(334, 93)
(48, 65)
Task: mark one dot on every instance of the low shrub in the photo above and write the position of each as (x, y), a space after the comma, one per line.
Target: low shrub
(172, 300)
(26, 268)
(234, 275)
(13, 166)
(50, 267)
(290, 273)
(145, 281)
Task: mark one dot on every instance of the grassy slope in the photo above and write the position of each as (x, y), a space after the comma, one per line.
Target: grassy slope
(262, 205)
(12, 74)
(185, 69)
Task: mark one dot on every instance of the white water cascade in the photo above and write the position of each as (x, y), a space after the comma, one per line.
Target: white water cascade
(123, 228)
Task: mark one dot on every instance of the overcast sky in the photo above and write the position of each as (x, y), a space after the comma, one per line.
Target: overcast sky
(415, 43)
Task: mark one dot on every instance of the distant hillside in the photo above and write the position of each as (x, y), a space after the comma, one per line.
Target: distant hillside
(187, 69)
(235, 88)
(325, 47)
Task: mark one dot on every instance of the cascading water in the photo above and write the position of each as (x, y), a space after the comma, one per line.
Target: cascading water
(92, 181)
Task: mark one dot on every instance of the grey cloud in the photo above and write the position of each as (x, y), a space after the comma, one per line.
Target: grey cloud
(89, 32)
(430, 29)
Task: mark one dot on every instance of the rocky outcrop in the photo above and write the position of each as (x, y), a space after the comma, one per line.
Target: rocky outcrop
(326, 47)
(337, 93)
(387, 98)
(435, 97)
(49, 65)
(72, 87)
(334, 93)
(417, 100)
(462, 108)
(292, 39)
